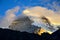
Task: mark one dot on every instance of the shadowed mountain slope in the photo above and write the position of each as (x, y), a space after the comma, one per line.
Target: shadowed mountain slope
(6, 34)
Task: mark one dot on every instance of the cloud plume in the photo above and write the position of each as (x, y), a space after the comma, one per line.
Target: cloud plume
(36, 13)
(9, 17)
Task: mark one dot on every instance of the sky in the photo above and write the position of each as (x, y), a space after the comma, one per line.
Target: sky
(23, 4)
(8, 8)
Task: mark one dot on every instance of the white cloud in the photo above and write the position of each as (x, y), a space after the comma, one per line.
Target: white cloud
(36, 13)
(9, 18)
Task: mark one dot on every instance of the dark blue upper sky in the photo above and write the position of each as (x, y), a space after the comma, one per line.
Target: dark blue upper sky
(8, 4)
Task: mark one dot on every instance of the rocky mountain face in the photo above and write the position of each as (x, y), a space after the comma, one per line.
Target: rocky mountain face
(23, 24)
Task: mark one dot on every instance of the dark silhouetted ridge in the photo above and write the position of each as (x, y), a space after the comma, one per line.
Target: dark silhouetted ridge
(7, 34)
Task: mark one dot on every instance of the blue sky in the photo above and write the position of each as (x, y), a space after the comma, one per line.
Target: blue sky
(8, 4)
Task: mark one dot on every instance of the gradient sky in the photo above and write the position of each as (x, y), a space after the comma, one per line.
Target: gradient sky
(23, 4)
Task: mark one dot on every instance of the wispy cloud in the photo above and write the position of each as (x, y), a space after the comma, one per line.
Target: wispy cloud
(9, 18)
(55, 6)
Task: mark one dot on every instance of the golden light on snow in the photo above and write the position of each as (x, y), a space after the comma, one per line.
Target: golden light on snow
(53, 17)
(42, 31)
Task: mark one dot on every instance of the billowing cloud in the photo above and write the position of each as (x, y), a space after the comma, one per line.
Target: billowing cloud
(40, 12)
(9, 18)
(36, 14)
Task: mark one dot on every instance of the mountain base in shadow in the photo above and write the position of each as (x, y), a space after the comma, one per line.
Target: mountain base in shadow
(7, 34)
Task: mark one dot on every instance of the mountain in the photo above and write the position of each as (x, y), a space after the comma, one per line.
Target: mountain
(23, 23)
(7, 34)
